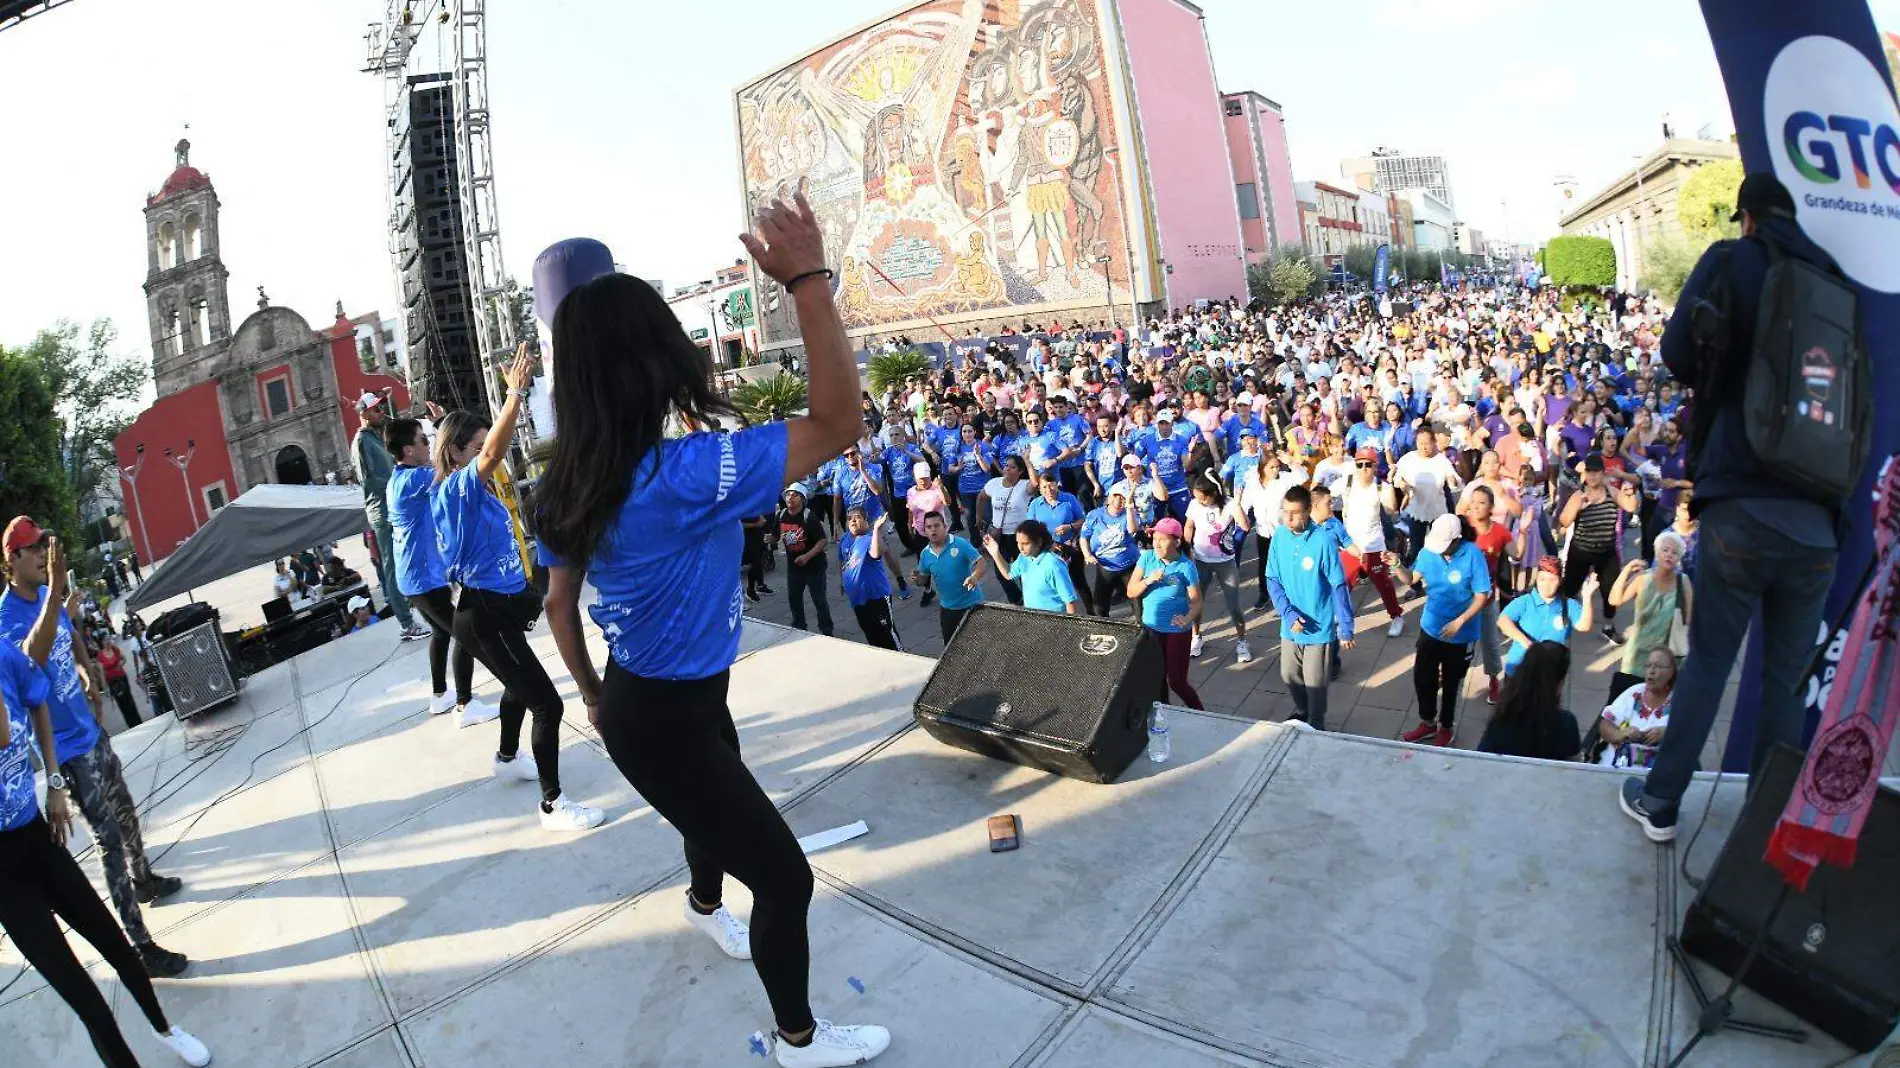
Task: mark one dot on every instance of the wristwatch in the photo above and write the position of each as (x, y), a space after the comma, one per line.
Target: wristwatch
(55, 781)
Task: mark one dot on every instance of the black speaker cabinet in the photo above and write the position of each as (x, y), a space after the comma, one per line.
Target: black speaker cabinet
(1068, 694)
(1833, 955)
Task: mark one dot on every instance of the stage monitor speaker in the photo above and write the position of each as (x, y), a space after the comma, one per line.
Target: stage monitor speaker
(1068, 694)
(1833, 955)
(196, 671)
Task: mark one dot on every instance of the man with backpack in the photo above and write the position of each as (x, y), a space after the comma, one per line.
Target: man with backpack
(1767, 332)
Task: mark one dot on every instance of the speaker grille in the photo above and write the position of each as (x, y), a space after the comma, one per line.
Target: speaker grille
(195, 671)
(1054, 673)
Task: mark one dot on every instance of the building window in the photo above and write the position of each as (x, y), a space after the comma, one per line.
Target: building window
(214, 496)
(277, 396)
(1249, 200)
(1234, 107)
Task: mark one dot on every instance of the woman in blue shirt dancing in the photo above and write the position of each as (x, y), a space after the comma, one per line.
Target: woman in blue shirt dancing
(654, 523)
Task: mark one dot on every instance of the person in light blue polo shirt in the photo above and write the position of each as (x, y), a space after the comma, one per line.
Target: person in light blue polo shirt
(1308, 587)
(1060, 511)
(1167, 585)
(956, 570)
(1038, 569)
(1544, 615)
(1457, 586)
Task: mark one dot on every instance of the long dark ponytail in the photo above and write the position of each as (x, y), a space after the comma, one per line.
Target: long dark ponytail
(622, 366)
(1534, 695)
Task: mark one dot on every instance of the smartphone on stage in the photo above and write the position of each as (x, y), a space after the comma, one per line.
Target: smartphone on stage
(1006, 833)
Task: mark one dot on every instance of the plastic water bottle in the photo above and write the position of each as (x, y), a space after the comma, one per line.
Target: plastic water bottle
(1159, 748)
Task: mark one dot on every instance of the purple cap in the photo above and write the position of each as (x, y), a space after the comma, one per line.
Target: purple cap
(564, 267)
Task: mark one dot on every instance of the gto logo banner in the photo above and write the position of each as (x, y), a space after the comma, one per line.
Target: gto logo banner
(1839, 154)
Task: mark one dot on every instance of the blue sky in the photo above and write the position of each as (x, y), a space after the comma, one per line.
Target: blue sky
(613, 120)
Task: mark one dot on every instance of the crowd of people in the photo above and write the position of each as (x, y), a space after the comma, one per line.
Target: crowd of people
(1509, 466)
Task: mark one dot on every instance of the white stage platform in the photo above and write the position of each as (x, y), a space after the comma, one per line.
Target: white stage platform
(360, 893)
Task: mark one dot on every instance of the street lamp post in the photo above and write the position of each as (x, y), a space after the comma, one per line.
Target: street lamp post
(181, 463)
(131, 476)
(1108, 291)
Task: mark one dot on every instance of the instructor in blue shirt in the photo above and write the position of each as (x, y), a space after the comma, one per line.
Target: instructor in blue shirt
(654, 523)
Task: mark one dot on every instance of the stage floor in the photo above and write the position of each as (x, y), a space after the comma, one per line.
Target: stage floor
(360, 893)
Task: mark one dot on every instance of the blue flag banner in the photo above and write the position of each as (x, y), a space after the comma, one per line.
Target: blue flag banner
(1381, 264)
(1809, 91)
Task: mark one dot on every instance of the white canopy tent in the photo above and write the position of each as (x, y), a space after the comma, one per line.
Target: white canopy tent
(265, 523)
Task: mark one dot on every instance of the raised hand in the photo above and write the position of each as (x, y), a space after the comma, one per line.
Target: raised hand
(520, 373)
(787, 242)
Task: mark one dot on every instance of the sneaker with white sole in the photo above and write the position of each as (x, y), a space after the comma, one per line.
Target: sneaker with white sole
(189, 1049)
(416, 634)
(476, 712)
(1194, 647)
(440, 703)
(1242, 654)
(1396, 627)
(521, 767)
(722, 927)
(565, 815)
(832, 1046)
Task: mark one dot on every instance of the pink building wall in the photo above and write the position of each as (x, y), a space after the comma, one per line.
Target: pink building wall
(1286, 203)
(1190, 177)
(1240, 153)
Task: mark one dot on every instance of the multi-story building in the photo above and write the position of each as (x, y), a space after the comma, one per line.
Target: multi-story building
(1393, 172)
(1375, 218)
(1638, 207)
(1468, 239)
(1399, 210)
(1263, 173)
(1432, 219)
(431, 254)
(719, 315)
(271, 401)
(1333, 225)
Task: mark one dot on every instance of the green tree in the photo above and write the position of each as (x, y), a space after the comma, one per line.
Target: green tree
(1706, 200)
(1260, 282)
(32, 479)
(1291, 278)
(889, 370)
(779, 397)
(1577, 260)
(93, 396)
(1359, 259)
(1667, 261)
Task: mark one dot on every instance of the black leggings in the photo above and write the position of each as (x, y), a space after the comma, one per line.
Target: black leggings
(754, 558)
(874, 618)
(491, 627)
(1438, 677)
(1111, 586)
(1578, 563)
(675, 742)
(439, 610)
(40, 880)
(1078, 576)
(1261, 542)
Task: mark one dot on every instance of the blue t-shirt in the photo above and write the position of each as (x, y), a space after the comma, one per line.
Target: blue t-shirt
(373, 620)
(1045, 581)
(900, 461)
(1169, 456)
(1360, 434)
(1072, 431)
(1108, 538)
(23, 687)
(854, 491)
(1542, 621)
(948, 570)
(1234, 469)
(1306, 581)
(475, 536)
(1064, 511)
(864, 578)
(668, 570)
(1231, 430)
(943, 438)
(971, 475)
(1106, 458)
(1042, 450)
(830, 473)
(419, 567)
(75, 728)
(1167, 597)
(1007, 445)
(1449, 587)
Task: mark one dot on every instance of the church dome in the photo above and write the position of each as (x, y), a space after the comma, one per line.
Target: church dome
(184, 178)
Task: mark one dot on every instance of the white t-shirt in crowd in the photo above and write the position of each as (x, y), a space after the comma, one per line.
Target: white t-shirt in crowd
(1009, 505)
(1209, 522)
(1331, 473)
(1263, 500)
(1360, 510)
(1428, 478)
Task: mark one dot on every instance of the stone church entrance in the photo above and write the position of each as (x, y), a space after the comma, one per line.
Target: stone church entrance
(293, 467)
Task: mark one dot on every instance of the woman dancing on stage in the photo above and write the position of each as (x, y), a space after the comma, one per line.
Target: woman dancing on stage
(655, 524)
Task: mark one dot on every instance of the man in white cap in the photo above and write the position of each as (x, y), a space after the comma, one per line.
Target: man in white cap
(360, 615)
(373, 468)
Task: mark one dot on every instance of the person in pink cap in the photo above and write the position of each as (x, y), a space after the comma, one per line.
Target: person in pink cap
(1168, 587)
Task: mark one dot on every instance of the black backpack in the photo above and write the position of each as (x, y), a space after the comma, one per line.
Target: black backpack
(1806, 389)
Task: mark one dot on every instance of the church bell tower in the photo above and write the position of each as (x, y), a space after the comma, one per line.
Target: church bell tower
(185, 285)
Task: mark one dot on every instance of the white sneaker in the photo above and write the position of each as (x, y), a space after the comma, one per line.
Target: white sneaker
(441, 703)
(1396, 627)
(832, 1046)
(1242, 654)
(565, 815)
(724, 928)
(476, 711)
(521, 767)
(189, 1049)
(1194, 647)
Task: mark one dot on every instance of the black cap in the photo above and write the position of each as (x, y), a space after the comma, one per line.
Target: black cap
(1762, 194)
(1593, 462)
